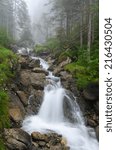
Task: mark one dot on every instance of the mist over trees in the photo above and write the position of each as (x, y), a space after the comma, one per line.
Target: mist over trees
(64, 27)
(58, 29)
(14, 21)
(73, 23)
(77, 23)
(72, 29)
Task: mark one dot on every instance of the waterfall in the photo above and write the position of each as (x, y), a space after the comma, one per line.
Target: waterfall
(51, 116)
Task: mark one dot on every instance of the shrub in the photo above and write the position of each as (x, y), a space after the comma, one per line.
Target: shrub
(7, 62)
(5, 39)
(4, 117)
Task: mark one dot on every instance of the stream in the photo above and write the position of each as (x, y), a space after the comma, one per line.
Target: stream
(51, 116)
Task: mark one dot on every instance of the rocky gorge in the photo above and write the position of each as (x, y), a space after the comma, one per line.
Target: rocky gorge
(26, 96)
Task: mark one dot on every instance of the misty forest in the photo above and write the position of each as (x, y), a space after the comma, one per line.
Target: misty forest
(49, 74)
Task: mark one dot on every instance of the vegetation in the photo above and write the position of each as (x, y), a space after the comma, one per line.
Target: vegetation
(7, 60)
(14, 22)
(76, 36)
(2, 147)
(15, 27)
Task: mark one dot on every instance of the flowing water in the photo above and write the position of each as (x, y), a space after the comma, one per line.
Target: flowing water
(51, 116)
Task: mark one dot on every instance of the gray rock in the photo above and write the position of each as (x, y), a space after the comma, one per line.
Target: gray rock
(37, 80)
(91, 92)
(17, 139)
(16, 109)
(49, 141)
(91, 123)
(97, 132)
(34, 63)
(40, 70)
(24, 62)
(96, 105)
(25, 77)
(23, 97)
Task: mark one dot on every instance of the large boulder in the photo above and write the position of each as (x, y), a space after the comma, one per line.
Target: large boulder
(40, 70)
(16, 110)
(91, 92)
(28, 63)
(91, 122)
(16, 114)
(34, 102)
(60, 67)
(23, 97)
(50, 141)
(25, 77)
(24, 62)
(34, 63)
(37, 80)
(17, 139)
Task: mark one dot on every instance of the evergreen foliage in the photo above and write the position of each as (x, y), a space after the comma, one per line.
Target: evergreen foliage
(77, 36)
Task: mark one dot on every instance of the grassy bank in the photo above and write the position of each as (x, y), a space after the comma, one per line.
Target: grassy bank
(7, 61)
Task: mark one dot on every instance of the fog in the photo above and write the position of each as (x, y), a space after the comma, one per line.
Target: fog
(36, 8)
(38, 11)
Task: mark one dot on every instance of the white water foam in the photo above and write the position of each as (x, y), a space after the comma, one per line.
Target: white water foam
(51, 117)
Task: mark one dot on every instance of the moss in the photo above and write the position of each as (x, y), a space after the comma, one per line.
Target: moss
(39, 48)
(84, 74)
(4, 117)
(2, 147)
(7, 62)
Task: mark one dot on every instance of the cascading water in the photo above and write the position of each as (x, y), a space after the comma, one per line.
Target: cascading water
(51, 116)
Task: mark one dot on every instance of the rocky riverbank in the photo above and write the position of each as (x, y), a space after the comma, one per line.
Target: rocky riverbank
(26, 95)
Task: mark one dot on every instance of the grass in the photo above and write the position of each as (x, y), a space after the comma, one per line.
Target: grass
(7, 60)
(84, 74)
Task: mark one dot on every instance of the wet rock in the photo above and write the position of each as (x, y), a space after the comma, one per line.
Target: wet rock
(64, 141)
(17, 139)
(25, 77)
(34, 102)
(68, 107)
(36, 136)
(59, 148)
(34, 63)
(97, 132)
(96, 106)
(37, 80)
(40, 70)
(41, 143)
(24, 62)
(50, 141)
(91, 123)
(16, 114)
(91, 92)
(23, 97)
(51, 68)
(16, 109)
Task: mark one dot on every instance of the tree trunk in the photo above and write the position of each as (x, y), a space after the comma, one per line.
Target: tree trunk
(89, 33)
(67, 25)
(81, 31)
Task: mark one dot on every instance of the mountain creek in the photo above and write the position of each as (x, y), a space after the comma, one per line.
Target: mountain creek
(47, 111)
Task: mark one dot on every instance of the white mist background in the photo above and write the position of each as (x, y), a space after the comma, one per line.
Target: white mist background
(36, 8)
